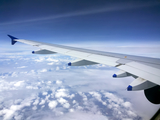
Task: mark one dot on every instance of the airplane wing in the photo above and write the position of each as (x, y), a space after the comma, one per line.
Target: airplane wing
(145, 70)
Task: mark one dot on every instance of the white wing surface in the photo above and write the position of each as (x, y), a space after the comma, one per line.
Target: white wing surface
(146, 71)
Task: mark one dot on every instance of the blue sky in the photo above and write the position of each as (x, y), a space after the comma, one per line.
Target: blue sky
(90, 92)
(71, 21)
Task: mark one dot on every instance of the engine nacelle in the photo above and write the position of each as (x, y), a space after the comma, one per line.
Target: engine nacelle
(153, 94)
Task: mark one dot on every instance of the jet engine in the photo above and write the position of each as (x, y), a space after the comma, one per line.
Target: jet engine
(153, 94)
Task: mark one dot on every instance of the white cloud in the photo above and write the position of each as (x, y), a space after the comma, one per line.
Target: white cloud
(19, 83)
(127, 104)
(58, 82)
(64, 67)
(49, 82)
(43, 70)
(44, 93)
(42, 106)
(6, 85)
(22, 67)
(32, 71)
(42, 102)
(71, 110)
(113, 97)
(39, 59)
(61, 93)
(79, 115)
(52, 104)
(62, 101)
(51, 59)
(50, 63)
(66, 105)
(57, 68)
(71, 96)
(130, 113)
(18, 117)
(31, 87)
(79, 107)
(83, 95)
(127, 119)
(96, 95)
(74, 102)
(47, 97)
(34, 108)
(10, 112)
(36, 102)
(17, 101)
(14, 74)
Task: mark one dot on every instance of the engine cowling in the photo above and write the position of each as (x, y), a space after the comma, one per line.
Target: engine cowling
(153, 94)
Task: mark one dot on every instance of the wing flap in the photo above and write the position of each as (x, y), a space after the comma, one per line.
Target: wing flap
(141, 72)
(145, 68)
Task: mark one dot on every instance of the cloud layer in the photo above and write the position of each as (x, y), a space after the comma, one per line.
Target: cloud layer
(46, 91)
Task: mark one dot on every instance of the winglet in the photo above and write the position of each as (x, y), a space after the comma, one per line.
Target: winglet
(13, 39)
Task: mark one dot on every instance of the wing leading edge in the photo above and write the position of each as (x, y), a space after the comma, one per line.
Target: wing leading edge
(145, 70)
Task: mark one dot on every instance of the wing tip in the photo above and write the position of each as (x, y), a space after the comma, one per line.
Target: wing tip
(12, 39)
